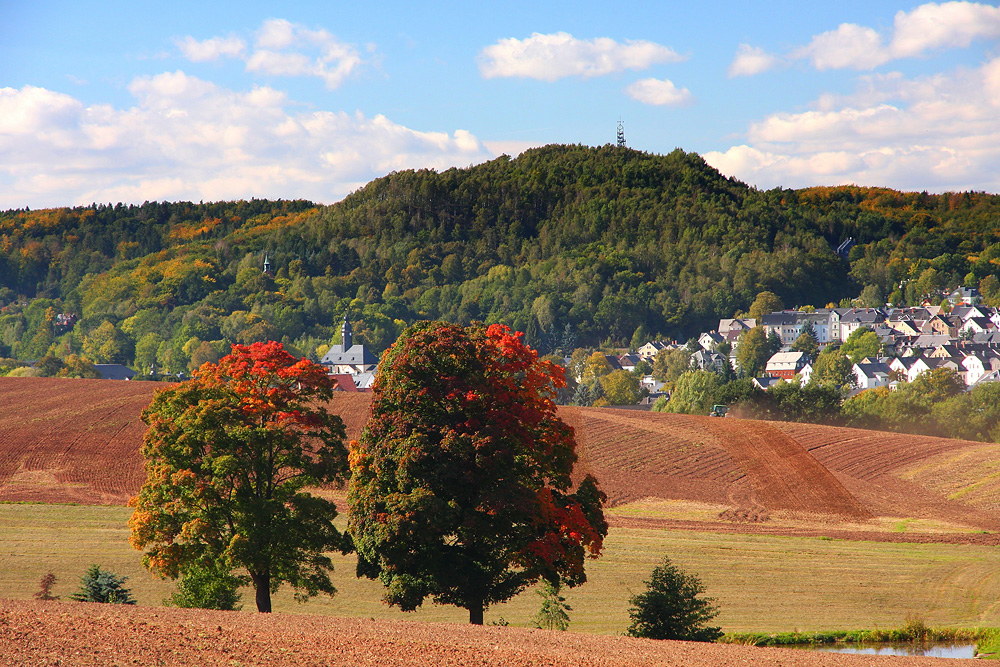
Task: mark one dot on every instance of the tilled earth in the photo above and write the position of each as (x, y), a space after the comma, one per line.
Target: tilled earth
(63, 633)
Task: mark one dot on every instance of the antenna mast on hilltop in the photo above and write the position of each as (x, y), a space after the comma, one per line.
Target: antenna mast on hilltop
(621, 134)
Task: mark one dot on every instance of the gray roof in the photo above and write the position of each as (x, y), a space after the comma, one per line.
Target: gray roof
(114, 371)
(787, 318)
(357, 355)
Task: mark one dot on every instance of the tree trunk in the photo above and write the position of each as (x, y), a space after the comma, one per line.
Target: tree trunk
(262, 584)
(476, 614)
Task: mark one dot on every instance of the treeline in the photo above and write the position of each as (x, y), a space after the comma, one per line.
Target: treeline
(935, 403)
(575, 246)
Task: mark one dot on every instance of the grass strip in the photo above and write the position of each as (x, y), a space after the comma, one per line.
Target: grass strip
(987, 640)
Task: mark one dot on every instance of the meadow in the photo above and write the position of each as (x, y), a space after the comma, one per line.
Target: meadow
(762, 583)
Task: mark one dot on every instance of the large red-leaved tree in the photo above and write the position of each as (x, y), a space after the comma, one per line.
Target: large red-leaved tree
(228, 454)
(460, 484)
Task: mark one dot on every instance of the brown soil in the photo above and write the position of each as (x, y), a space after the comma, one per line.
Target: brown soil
(78, 441)
(55, 633)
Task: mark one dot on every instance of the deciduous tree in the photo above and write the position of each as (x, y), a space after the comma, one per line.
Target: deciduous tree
(460, 487)
(228, 454)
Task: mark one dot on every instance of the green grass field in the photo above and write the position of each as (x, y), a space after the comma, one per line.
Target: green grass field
(761, 583)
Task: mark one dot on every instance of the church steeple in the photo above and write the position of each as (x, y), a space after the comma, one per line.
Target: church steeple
(345, 335)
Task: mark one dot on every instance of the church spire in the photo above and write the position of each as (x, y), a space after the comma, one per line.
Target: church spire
(345, 334)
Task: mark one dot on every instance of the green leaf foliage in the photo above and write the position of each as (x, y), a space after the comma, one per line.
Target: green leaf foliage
(207, 587)
(671, 608)
(228, 456)
(460, 487)
(99, 585)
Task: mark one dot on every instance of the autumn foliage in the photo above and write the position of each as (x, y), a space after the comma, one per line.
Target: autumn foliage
(460, 486)
(227, 456)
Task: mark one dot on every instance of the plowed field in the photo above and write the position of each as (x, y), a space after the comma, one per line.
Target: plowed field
(54, 633)
(78, 441)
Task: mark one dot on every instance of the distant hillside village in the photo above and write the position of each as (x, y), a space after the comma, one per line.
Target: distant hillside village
(961, 335)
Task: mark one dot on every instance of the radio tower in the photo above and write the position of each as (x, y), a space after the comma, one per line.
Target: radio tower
(621, 134)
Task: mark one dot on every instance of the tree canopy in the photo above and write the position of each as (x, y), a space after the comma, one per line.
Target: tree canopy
(460, 487)
(228, 454)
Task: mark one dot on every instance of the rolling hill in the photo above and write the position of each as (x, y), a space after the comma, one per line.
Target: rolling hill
(78, 441)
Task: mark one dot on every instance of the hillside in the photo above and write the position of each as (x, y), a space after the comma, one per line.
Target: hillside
(78, 441)
(573, 245)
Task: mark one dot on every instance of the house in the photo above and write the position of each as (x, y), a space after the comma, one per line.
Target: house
(974, 325)
(965, 295)
(627, 362)
(979, 364)
(901, 365)
(114, 372)
(870, 373)
(651, 349)
(348, 358)
(737, 325)
(856, 318)
(710, 340)
(965, 312)
(944, 325)
(786, 365)
(785, 324)
(705, 360)
(766, 382)
(651, 384)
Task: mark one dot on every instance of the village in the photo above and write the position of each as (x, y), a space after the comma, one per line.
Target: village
(961, 335)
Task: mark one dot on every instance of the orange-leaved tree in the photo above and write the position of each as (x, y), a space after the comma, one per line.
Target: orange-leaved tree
(461, 482)
(228, 454)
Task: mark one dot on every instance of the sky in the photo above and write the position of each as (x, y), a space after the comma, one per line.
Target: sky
(110, 101)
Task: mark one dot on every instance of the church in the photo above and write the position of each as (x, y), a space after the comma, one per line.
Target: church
(347, 358)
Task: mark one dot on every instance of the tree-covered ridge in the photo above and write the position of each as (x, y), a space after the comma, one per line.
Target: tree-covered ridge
(572, 245)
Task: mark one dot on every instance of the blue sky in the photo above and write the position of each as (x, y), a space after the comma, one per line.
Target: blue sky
(127, 101)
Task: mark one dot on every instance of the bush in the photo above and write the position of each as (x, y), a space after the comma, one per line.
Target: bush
(207, 588)
(552, 615)
(45, 591)
(103, 586)
(671, 609)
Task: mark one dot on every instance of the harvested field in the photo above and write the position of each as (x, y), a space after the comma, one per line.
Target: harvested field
(78, 441)
(53, 633)
(71, 440)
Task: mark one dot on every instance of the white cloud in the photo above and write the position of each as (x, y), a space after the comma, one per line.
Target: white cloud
(932, 133)
(848, 46)
(950, 24)
(283, 48)
(750, 60)
(660, 92)
(559, 55)
(188, 139)
(929, 26)
(211, 49)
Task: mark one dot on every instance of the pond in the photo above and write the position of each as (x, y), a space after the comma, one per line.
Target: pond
(927, 650)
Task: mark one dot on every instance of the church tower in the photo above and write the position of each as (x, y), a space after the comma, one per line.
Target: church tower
(345, 335)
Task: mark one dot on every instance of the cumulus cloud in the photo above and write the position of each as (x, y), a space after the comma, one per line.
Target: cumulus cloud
(660, 92)
(211, 49)
(933, 133)
(950, 24)
(750, 60)
(189, 139)
(559, 55)
(927, 27)
(848, 46)
(282, 48)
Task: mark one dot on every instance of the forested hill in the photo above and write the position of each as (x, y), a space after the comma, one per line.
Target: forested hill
(568, 243)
